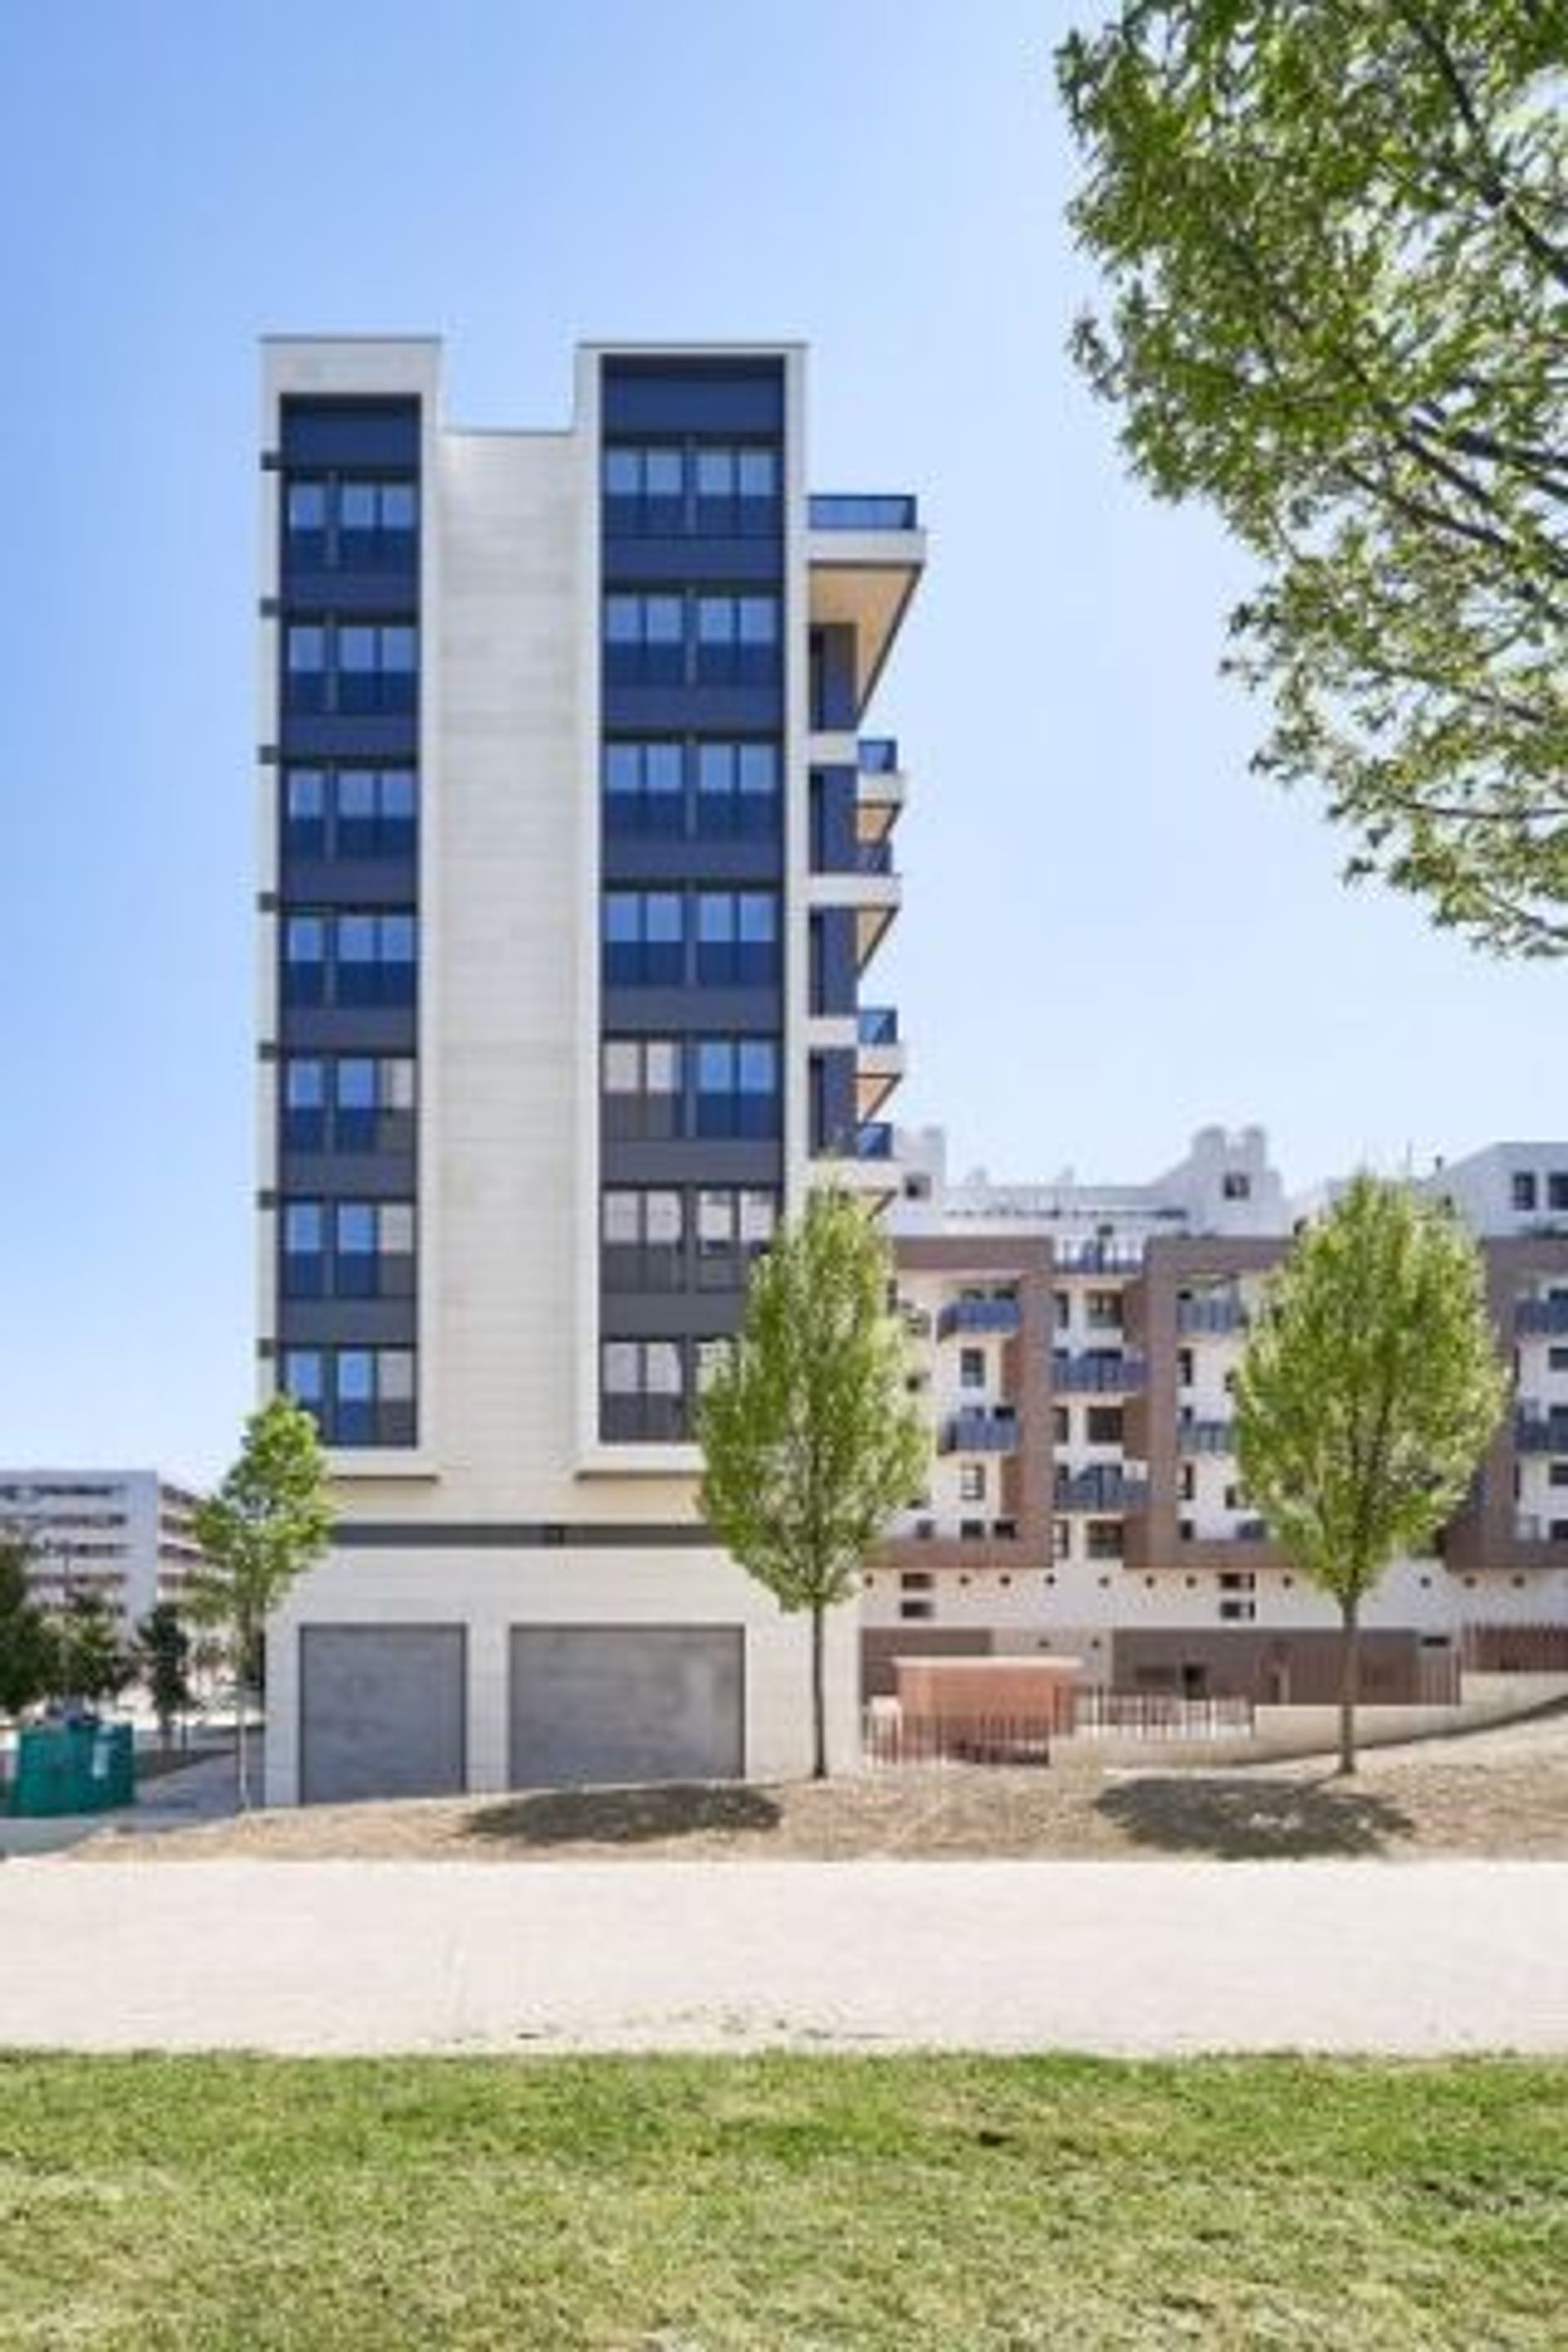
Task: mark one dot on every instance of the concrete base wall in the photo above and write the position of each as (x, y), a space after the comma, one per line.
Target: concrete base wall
(490, 1592)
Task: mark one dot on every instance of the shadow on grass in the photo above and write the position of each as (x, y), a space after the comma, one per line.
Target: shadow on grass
(1244, 1820)
(624, 1816)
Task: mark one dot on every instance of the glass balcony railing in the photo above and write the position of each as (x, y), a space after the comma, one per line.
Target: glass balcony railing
(878, 755)
(864, 510)
(877, 1025)
(1205, 1437)
(1544, 1316)
(1097, 1375)
(975, 1430)
(1107, 1489)
(874, 1139)
(1219, 1315)
(1097, 1257)
(982, 1315)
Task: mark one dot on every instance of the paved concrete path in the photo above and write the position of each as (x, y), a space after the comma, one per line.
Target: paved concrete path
(202, 1790)
(1118, 1957)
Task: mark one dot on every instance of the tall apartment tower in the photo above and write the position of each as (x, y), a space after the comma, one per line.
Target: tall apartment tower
(573, 859)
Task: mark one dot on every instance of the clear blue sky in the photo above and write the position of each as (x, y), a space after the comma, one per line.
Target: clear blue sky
(1111, 933)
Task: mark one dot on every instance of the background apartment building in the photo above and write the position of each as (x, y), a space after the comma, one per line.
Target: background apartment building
(573, 855)
(122, 1534)
(1077, 1344)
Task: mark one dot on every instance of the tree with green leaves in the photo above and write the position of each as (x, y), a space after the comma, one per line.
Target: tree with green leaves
(809, 1441)
(1368, 1391)
(26, 1651)
(163, 1659)
(88, 1659)
(1335, 237)
(268, 1523)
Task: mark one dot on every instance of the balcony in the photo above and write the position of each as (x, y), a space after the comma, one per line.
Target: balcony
(879, 1060)
(1097, 1257)
(863, 511)
(1210, 1315)
(1205, 1437)
(877, 1025)
(1541, 1317)
(984, 1316)
(1098, 1375)
(878, 755)
(1108, 1488)
(979, 1430)
(1535, 1432)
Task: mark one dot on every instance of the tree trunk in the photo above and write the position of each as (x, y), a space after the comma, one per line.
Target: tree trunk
(241, 1692)
(818, 1701)
(1350, 1684)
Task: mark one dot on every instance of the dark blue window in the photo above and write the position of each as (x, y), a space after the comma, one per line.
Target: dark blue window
(377, 521)
(305, 960)
(355, 1124)
(355, 1250)
(645, 787)
(737, 938)
(304, 1265)
(305, 521)
(738, 1086)
(376, 811)
(738, 791)
(737, 491)
(378, 664)
(737, 640)
(375, 958)
(304, 1104)
(644, 639)
(302, 1379)
(644, 489)
(353, 1397)
(305, 657)
(644, 939)
(305, 811)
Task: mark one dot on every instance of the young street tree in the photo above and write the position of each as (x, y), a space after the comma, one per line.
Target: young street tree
(809, 1440)
(1369, 1389)
(164, 1657)
(268, 1523)
(1336, 243)
(88, 1656)
(26, 1651)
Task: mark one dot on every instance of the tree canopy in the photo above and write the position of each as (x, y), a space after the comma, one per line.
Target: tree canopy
(1335, 237)
(1367, 1393)
(809, 1439)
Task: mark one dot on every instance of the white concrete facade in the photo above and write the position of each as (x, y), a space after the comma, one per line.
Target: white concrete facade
(122, 1534)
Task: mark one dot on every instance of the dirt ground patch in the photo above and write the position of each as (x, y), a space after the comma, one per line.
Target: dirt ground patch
(1500, 1794)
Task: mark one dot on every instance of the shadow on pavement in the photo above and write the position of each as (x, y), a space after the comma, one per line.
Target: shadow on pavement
(623, 1816)
(1244, 1820)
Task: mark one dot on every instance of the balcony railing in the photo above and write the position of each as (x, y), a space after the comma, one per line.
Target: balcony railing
(1096, 1257)
(1541, 1316)
(864, 510)
(874, 1139)
(975, 1430)
(1210, 1315)
(876, 1025)
(1098, 1375)
(1540, 1433)
(1106, 1488)
(1205, 1437)
(878, 755)
(982, 1315)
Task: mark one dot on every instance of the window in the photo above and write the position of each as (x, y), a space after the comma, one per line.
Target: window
(1103, 1538)
(1061, 1539)
(1557, 1359)
(377, 665)
(737, 1086)
(737, 491)
(733, 1226)
(374, 959)
(1523, 1190)
(642, 1089)
(1102, 1310)
(305, 940)
(359, 1396)
(917, 1612)
(642, 1231)
(305, 811)
(373, 1249)
(972, 1482)
(644, 639)
(355, 1103)
(1188, 1482)
(710, 1358)
(1236, 1185)
(1184, 1368)
(645, 786)
(737, 640)
(1238, 1612)
(643, 1391)
(737, 938)
(736, 791)
(376, 812)
(1103, 1424)
(351, 667)
(362, 524)
(645, 939)
(1061, 1308)
(1061, 1425)
(304, 1249)
(971, 1368)
(1557, 1189)
(644, 488)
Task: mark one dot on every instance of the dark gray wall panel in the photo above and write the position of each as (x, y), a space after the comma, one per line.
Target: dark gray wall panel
(627, 1703)
(382, 1710)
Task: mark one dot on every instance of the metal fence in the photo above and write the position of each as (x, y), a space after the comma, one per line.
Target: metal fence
(893, 1739)
(1158, 1715)
(1515, 1649)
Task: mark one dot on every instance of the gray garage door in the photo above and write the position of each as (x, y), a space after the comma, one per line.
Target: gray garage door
(622, 1703)
(382, 1712)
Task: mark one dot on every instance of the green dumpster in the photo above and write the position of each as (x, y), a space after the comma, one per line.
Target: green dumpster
(73, 1768)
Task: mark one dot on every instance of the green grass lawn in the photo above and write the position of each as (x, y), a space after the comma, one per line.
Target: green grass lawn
(773, 2205)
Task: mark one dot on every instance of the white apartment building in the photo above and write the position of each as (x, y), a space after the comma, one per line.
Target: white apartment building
(124, 1534)
(573, 854)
